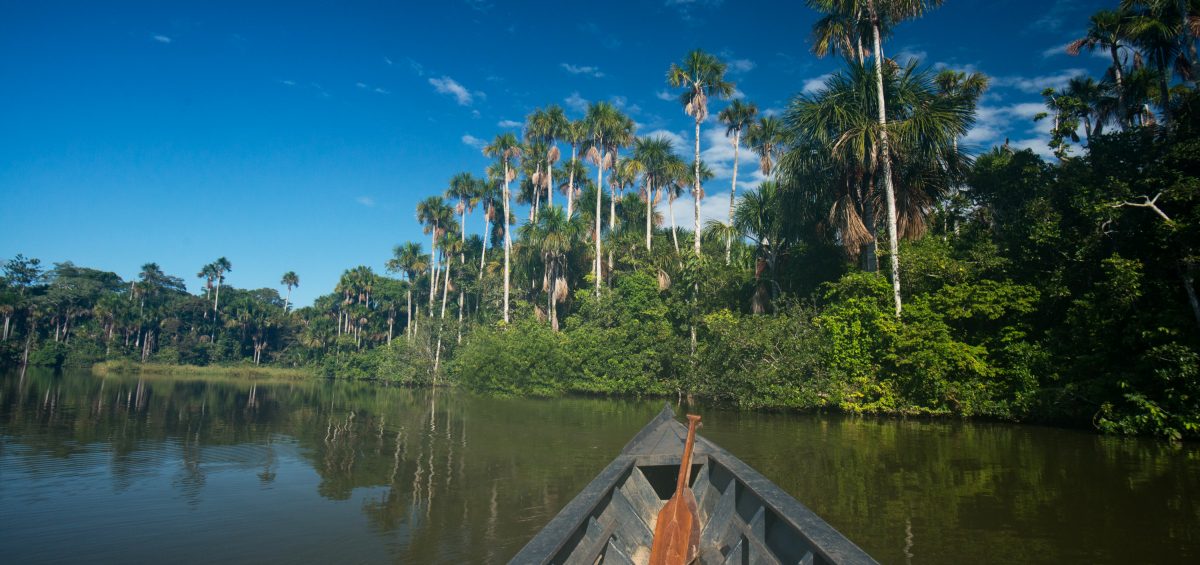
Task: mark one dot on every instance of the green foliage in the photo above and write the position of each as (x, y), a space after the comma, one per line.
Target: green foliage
(526, 360)
(775, 361)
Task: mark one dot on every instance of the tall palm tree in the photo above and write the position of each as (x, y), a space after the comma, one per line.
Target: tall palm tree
(607, 127)
(548, 126)
(553, 236)
(765, 138)
(736, 117)
(575, 133)
(676, 177)
(219, 267)
(650, 157)
(1164, 30)
(882, 15)
(842, 32)
(290, 280)
(435, 217)
(408, 259)
(759, 217)
(505, 148)
(701, 75)
(837, 162)
(1112, 30)
(490, 191)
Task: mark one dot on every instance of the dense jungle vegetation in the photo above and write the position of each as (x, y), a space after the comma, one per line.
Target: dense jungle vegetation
(879, 267)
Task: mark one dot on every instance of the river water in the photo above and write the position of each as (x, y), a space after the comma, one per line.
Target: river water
(122, 469)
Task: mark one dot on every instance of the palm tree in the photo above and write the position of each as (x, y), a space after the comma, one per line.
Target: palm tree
(676, 176)
(837, 162)
(490, 191)
(759, 216)
(290, 280)
(968, 87)
(766, 139)
(736, 117)
(1164, 31)
(505, 148)
(435, 216)
(841, 32)
(575, 133)
(701, 75)
(607, 127)
(408, 259)
(650, 157)
(219, 267)
(553, 236)
(548, 126)
(1112, 30)
(881, 13)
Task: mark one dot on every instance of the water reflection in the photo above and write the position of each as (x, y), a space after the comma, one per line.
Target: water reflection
(318, 471)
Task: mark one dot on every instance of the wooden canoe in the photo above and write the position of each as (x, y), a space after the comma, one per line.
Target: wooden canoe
(744, 518)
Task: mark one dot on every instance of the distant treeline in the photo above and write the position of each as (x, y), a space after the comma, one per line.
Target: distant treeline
(1015, 288)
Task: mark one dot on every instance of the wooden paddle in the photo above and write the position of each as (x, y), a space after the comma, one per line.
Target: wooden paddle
(677, 532)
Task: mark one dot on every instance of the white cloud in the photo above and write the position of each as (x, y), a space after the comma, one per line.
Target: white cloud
(714, 206)
(576, 102)
(416, 67)
(737, 95)
(677, 140)
(451, 87)
(288, 82)
(360, 84)
(582, 70)
(473, 141)
(366, 201)
(388, 60)
(907, 55)
(664, 95)
(741, 65)
(1035, 85)
(379, 90)
(509, 124)
(1037, 144)
(162, 39)
(816, 84)
(1056, 50)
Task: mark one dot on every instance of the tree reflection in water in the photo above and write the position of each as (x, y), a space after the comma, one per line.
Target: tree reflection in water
(339, 471)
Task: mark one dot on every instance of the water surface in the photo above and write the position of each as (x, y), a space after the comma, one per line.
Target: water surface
(147, 470)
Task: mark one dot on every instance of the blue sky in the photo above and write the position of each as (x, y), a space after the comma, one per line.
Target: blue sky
(299, 136)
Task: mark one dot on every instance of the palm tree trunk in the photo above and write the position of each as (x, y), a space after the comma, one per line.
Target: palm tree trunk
(445, 286)
(1191, 291)
(737, 134)
(287, 300)
(507, 243)
(216, 304)
(696, 189)
(408, 327)
(1118, 77)
(487, 239)
(571, 184)
(649, 212)
(885, 158)
(599, 214)
(6, 321)
(461, 299)
(433, 268)
(549, 182)
(671, 212)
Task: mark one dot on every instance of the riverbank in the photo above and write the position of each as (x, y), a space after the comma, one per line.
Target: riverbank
(207, 371)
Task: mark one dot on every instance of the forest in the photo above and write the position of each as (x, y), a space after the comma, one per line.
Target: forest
(880, 267)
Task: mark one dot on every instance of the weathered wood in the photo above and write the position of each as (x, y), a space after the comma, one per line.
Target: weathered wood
(677, 530)
(743, 517)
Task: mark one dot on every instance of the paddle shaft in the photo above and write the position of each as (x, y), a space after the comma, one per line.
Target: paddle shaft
(677, 531)
(685, 466)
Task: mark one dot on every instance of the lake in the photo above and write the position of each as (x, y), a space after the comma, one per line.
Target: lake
(128, 469)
